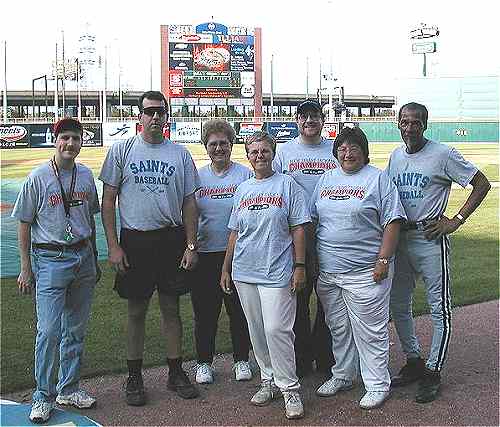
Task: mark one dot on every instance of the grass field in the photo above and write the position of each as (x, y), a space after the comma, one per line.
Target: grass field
(18, 163)
(474, 279)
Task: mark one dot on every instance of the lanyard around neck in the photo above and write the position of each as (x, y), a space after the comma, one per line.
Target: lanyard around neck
(66, 200)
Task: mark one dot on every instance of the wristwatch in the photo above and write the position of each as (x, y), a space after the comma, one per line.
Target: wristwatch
(384, 261)
(460, 218)
(192, 247)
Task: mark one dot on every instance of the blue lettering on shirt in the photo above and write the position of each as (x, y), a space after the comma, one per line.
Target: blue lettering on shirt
(411, 179)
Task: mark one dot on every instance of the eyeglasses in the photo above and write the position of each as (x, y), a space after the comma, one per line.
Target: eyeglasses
(262, 152)
(353, 149)
(150, 111)
(221, 143)
(315, 117)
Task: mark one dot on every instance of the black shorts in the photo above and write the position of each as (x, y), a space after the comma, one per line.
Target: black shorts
(154, 257)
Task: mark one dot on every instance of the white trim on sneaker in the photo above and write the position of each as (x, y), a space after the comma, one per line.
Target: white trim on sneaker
(242, 371)
(294, 408)
(373, 399)
(40, 411)
(79, 399)
(204, 373)
(332, 386)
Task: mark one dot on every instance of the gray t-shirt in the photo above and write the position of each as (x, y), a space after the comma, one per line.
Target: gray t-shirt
(424, 178)
(153, 180)
(304, 163)
(352, 211)
(215, 202)
(40, 203)
(263, 212)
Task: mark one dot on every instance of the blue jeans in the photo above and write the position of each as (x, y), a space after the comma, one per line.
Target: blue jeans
(65, 284)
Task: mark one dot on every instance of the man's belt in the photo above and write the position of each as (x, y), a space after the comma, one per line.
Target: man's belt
(416, 225)
(54, 247)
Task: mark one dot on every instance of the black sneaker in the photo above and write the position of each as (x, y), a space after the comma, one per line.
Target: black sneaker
(134, 391)
(428, 387)
(179, 382)
(411, 372)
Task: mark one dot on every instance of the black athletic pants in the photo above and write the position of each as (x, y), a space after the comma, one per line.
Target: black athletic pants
(315, 344)
(207, 297)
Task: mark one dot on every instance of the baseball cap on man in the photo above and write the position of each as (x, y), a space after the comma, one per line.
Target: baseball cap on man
(67, 124)
(309, 105)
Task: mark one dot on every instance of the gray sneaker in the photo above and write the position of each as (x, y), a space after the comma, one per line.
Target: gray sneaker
(79, 399)
(267, 392)
(40, 411)
(333, 386)
(293, 405)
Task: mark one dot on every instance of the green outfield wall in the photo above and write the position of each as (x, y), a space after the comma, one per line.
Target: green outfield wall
(438, 131)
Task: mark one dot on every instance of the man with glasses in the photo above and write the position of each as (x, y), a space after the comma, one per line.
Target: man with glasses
(306, 158)
(56, 209)
(423, 171)
(155, 182)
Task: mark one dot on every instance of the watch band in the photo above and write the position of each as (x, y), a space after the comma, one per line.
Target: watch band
(384, 261)
(299, 264)
(460, 218)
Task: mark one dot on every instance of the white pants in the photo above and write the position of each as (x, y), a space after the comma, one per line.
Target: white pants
(270, 314)
(357, 313)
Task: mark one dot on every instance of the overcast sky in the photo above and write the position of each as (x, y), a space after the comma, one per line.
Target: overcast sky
(368, 40)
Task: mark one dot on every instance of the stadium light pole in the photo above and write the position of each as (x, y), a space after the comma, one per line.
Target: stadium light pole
(272, 86)
(56, 89)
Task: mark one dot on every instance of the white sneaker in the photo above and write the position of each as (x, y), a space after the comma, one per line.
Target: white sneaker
(79, 399)
(373, 399)
(242, 371)
(293, 405)
(40, 411)
(267, 392)
(333, 386)
(204, 374)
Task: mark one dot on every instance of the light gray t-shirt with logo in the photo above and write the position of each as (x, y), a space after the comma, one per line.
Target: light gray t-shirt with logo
(305, 163)
(352, 211)
(40, 203)
(263, 212)
(424, 178)
(153, 180)
(215, 202)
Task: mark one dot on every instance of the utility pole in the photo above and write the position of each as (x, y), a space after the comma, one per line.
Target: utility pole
(63, 77)
(272, 88)
(56, 94)
(307, 77)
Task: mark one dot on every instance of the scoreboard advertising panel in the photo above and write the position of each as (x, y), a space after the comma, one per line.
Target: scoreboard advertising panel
(211, 60)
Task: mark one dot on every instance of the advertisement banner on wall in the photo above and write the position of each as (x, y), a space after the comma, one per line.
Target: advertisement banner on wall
(117, 131)
(330, 130)
(244, 130)
(92, 135)
(14, 136)
(41, 136)
(186, 131)
(242, 57)
(283, 131)
(180, 56)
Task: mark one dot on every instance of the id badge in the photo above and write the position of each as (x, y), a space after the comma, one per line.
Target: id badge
(68, 235)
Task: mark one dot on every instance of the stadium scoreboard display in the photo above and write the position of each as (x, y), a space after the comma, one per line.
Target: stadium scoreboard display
(212, 64)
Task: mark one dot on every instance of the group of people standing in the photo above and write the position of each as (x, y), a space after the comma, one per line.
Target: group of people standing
(310, 214)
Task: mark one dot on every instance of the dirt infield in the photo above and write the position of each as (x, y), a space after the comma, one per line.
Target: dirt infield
(469, 394)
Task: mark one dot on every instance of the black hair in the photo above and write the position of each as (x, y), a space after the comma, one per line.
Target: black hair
(414, 106)
(352, 136)
(155, 96)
